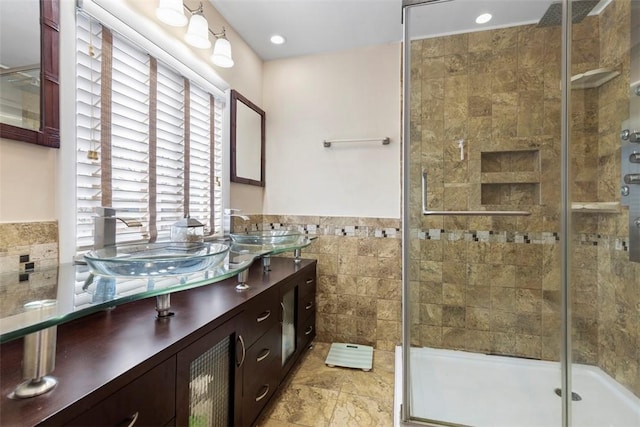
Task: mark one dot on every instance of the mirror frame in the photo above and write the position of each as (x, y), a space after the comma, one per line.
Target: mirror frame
(49, 133)
(235, 98)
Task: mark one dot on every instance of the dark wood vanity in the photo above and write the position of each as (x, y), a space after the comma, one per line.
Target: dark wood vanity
(217, 361)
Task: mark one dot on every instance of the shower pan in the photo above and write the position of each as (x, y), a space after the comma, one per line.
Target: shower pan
(520, 288)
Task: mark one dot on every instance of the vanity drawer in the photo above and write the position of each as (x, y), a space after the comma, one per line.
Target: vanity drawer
(306, 305)
(260, 316)
(147, 401)
(261, 355)
(307, 285)
(256, 396)
(307, 329)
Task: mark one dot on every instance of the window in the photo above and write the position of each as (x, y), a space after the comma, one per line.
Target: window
(149, 141)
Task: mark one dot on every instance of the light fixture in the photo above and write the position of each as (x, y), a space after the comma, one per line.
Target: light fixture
(171, 13)
(277, 39)
(198, 30)
(484, 18)
(222, 50)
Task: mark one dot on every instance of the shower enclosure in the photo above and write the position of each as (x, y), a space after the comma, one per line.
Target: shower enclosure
(521, 214)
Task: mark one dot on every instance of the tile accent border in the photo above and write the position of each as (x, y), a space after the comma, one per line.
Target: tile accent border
(28, 246)
(534, 238)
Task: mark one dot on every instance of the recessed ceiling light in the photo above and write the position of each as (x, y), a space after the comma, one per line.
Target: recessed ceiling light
(277, 39)
(484, 18)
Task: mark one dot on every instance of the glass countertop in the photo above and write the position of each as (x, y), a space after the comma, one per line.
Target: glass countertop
(31, 301)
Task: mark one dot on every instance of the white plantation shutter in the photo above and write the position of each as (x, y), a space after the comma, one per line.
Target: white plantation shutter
(88, 194)
(200, 144)
(216, 181)
(154, 132)
(170, 152)
(130, 138)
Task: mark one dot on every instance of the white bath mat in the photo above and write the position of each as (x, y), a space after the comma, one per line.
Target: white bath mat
(350, 356)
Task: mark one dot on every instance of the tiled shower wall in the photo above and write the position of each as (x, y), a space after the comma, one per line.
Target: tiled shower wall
(488, 284)
(618, 279)
(491, 284)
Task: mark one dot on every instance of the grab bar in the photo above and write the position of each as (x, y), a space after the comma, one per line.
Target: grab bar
(427, 212)
(327, 142)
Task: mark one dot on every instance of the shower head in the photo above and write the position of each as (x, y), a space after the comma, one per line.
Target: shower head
(579, 10)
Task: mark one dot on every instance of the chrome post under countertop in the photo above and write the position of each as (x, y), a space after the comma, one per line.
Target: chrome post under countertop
(243, 276)
(163, 306)
(39, 355)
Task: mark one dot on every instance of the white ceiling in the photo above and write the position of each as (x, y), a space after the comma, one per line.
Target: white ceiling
(315, 26)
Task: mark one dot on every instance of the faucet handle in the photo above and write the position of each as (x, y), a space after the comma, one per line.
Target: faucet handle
(105, 211)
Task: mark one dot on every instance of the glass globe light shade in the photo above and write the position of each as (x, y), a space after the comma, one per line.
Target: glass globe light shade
(222, 53)
(171, 13)
(198, 32)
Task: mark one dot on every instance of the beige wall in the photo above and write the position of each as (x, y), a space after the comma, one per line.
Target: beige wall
(351, 94)
(28, 190)
(27, 182)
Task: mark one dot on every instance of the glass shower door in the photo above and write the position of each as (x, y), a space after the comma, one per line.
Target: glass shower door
(483, 213)
(605, 262)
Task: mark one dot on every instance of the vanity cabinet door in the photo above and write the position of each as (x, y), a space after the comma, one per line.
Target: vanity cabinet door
(149, 400)
(209, 378)
(297, 297)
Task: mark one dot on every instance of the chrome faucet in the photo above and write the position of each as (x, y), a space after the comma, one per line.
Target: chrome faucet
(104, 231)
(228, 214)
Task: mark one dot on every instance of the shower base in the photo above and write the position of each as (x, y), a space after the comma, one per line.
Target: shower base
(480, 390)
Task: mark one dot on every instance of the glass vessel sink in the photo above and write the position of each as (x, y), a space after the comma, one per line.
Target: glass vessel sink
(155, 259)
(266, 237)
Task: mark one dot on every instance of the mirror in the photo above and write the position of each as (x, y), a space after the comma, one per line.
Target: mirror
(247, 141)
(29, 69)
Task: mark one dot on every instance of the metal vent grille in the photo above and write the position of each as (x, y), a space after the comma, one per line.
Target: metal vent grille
(579, 10)
(209, 393)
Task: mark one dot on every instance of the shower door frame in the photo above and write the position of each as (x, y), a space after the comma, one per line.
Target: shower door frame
(565, 214)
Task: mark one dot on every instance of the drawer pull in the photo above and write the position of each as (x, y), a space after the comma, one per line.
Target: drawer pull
(264, 393)
(130, 422)
(264, 316)
(309, 305)
(309, 281)
(309, 330)
(266, 352)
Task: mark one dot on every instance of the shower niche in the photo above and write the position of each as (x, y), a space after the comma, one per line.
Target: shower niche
(510, 178)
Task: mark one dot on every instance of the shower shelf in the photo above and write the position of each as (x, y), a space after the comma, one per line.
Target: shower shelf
(510, 177)
(596, 207)
(593, 78)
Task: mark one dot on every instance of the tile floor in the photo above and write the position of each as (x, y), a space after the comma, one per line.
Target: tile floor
(316, 395)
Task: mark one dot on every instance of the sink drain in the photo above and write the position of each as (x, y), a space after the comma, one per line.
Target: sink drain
(574, 396)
